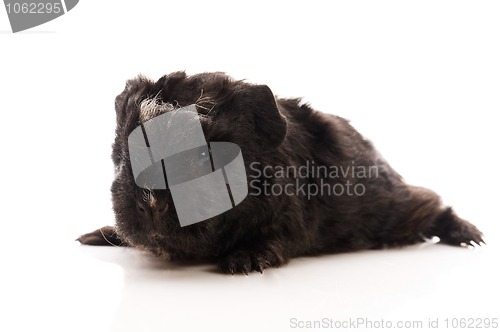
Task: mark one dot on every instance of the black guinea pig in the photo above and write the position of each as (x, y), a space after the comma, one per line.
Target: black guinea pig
(315, 185)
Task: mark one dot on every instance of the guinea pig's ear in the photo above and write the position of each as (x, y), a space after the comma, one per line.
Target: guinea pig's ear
(260, 107)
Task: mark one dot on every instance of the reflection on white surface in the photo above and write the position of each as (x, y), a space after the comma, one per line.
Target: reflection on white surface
(122, 289)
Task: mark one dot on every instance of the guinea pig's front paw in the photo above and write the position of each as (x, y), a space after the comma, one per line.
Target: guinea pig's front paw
(245, 261)
(104, 236)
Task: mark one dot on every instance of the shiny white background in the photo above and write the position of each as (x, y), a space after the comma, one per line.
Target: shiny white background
(419, 78)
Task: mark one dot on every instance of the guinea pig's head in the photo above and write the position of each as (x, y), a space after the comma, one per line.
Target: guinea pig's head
(229, 111)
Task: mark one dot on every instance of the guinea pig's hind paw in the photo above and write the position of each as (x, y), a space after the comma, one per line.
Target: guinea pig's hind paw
(456, 231)
(243, 261)
(104, 236)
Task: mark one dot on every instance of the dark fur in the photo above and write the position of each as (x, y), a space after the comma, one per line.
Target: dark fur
(265, 231)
